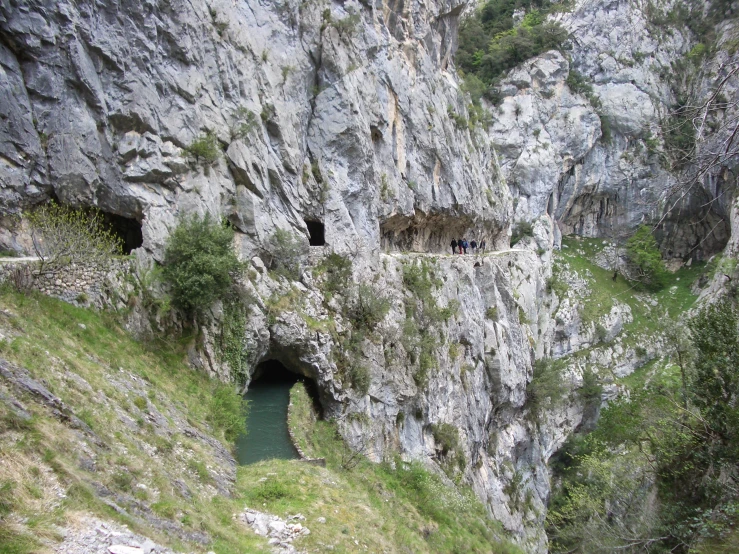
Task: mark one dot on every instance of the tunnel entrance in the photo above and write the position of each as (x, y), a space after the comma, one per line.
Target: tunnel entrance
(316, 233)
(125, 228)
(268, 395)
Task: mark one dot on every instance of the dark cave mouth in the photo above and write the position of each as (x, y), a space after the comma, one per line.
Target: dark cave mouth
(127, 229)
(316, 232)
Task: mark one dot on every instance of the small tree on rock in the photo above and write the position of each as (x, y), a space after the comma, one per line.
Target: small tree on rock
(645, 260)
(63, 236)
(198, 263)
(287, 249)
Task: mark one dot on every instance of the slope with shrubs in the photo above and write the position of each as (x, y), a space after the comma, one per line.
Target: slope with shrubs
(491, 41)
(658, 473)
(144, 440)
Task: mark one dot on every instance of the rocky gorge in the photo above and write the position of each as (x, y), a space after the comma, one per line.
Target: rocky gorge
(348, 124)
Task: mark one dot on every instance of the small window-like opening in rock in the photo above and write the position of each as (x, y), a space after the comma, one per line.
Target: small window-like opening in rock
(376, 133)
(125, 228)
(316, 236)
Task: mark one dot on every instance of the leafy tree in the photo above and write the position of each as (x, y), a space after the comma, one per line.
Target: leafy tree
(715, 382)
(645, 260)
(490, 43)
(63, 236)
(205, 149)
(287, 249)
(198, 263)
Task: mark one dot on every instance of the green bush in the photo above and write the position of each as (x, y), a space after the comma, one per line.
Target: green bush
(492, 313)
(338, 272)
(198, 262)
(367, 307)
(244, 122)
(601, 333)
(141, 403)
(205, 149)
(421, 281)
(232, 345)
(578, 83)
(591, 389)
(521, 230)
(546, 388)
(606, 132)
(287, 250)
(489, 44)
(360, 378)
(679, 137)
(446, 436)
(227, 411)
(645, 260)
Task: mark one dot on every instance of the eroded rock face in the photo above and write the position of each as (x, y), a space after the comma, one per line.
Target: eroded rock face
(351, 114)
(336, 112)
(482, 361)
(590, 158)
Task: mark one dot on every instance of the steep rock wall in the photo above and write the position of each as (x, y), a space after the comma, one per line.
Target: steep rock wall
(348, 113)
(335, 111)
(591, 159)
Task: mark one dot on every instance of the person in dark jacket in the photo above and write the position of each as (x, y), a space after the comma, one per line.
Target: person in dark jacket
(459, 242)
(473, 245)
(454, 246)
(482, 246)
(465, 245)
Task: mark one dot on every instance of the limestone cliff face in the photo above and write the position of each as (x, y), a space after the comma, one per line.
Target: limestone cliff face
(348, 113)
(330, 111)
(591, 159)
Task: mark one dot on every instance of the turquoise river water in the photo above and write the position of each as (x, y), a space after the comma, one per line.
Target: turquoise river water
(266, 425)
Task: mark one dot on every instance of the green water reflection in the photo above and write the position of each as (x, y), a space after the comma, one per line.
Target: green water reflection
(266, 425)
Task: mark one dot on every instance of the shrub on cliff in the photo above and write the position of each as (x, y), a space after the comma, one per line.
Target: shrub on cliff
(198, 262)
(367, 307)
(645, 260)
(63, 236)
(227, 411)
(287, 249)
(205, 149)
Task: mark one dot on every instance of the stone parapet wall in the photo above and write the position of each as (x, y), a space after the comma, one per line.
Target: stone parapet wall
(76, 284)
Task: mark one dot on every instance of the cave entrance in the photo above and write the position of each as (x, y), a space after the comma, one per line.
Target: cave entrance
(125, 228)
(316, 232)
(268, 395)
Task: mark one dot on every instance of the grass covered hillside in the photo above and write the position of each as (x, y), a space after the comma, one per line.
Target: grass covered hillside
(659, 471)
(93, 423)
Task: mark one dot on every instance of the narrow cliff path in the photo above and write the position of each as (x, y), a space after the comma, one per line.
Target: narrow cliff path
(462, 256)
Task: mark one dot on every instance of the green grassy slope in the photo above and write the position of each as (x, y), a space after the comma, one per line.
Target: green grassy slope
(156, 449)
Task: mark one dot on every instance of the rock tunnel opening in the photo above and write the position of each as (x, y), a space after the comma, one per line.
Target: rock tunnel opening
(428, 232)
(125, 228)
(268, 396)
(316, 232)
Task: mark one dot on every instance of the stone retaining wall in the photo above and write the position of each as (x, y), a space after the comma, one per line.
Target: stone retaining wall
(75, 284)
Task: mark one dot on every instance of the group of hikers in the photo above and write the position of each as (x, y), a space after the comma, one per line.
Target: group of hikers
(460, 246)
